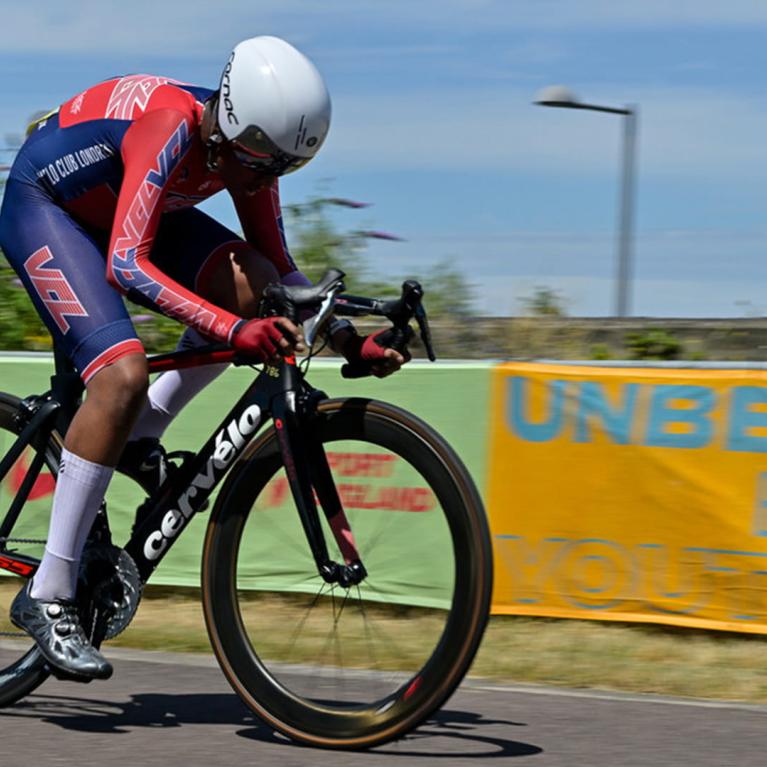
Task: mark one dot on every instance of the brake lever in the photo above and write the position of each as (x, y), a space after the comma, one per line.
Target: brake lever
(425, 331)
(412, 306)
(399, 312)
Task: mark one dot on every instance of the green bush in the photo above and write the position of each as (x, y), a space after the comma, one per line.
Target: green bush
(600, 352)
(653, 345)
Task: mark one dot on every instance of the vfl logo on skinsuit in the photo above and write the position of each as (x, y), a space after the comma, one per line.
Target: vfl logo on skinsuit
(226, 90)
(132, 93)
(229, 443)
(54, 289)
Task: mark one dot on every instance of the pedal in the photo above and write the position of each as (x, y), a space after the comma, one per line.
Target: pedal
(62, 676)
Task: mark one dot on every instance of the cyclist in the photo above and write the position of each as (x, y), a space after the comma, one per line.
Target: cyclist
(100, 202)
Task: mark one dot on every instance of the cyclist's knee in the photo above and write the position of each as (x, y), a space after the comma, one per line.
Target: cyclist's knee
(122, 385)
(238, 281)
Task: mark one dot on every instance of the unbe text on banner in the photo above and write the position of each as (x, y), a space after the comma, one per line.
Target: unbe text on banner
(630, 494)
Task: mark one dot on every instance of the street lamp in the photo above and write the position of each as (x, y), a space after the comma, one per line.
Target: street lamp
(559, 96)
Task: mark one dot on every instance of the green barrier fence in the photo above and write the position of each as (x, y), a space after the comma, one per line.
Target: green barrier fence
(452, 397)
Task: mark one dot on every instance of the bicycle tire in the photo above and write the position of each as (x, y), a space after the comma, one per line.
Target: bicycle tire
(27, 668)
(271, 688)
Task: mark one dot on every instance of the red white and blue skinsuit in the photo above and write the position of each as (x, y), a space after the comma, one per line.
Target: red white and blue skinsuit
(101, 199)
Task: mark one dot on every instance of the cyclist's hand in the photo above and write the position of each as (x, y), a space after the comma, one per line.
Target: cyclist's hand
(372, 350)
(268, 339)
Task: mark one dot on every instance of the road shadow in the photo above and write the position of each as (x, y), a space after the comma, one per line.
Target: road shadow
(142, 710)
(469, 729)
(450, 733)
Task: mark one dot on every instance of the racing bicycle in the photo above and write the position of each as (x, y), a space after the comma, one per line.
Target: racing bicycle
(343, 613)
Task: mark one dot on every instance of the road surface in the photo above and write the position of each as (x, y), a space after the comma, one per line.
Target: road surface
(166, 709)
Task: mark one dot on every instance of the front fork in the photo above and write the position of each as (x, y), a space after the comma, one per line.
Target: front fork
(311, 480)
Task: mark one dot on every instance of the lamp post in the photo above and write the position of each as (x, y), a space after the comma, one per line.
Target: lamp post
(559, 96)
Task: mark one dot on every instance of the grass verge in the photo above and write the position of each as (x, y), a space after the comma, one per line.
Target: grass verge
(636, 658)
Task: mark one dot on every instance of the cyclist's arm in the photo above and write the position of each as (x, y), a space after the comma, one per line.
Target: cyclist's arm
(261, 217)
(151, 151)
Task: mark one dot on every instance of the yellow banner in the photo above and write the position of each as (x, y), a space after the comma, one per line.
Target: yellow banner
(635, 494)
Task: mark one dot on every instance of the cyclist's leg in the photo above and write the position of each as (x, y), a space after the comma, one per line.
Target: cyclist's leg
(206, 257)
(62, 268)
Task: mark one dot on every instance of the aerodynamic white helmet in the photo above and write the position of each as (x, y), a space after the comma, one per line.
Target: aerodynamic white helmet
(273, 106)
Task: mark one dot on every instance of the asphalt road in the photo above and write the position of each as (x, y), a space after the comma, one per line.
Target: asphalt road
(162, 709)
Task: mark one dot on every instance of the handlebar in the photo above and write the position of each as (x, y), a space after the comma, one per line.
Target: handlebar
(282, 301)
(326, 298)
(323, 299)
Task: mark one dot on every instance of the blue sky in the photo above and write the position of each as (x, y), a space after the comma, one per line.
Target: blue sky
(433, 123)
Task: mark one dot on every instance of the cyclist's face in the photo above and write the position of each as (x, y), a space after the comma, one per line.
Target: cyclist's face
(239, 178)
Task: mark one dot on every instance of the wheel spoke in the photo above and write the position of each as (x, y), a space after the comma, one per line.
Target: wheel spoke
(306, 616)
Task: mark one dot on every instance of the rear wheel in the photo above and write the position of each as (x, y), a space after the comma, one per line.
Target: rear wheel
(350, 667)
(22, 667)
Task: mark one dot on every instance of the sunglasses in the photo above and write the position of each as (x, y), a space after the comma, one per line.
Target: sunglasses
(274, 163)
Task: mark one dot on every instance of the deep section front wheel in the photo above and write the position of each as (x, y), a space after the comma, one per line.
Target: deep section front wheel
(350, 667)
(22, 667)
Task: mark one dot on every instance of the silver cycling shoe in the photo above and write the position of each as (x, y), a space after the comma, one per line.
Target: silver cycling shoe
(55, 626)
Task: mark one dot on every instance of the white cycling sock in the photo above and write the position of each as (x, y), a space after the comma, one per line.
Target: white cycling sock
(171, 391)
(80, 489)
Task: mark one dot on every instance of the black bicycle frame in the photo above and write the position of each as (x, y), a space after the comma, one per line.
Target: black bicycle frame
(187, 490)
(278, 393)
